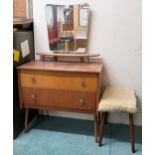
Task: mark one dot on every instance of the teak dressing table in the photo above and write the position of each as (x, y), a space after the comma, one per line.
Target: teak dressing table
(74, 87)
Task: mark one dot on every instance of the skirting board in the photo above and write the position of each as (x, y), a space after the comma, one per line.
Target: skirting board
(121, 118)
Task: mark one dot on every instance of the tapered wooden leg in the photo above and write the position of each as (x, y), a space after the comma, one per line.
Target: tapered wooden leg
(101, 128)
(98, 124)
(96, 128)
(131, 126)
(26, 120)
(98, 117)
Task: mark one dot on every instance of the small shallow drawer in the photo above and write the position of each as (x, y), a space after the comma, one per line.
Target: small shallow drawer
(58, 80)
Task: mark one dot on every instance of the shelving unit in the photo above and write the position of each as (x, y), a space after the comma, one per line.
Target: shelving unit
(23, 30)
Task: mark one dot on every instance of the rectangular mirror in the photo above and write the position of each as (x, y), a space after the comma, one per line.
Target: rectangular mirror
(67, 28)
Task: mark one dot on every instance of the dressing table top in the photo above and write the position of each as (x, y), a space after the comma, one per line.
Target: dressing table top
(63, 66)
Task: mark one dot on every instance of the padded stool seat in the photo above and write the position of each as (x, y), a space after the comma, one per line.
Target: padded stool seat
(117, 99)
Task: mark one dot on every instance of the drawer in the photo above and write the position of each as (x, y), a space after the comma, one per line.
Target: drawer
(58, 80)
(59, 99)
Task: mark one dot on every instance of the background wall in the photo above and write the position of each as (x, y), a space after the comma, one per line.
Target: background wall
(116, 35)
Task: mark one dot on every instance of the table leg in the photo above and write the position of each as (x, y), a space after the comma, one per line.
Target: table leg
(96, 128)
(26, 120)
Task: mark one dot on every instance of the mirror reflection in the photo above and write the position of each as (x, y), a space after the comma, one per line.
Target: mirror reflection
(68, 27)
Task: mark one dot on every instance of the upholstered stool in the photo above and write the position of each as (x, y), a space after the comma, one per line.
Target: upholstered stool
(117, 99)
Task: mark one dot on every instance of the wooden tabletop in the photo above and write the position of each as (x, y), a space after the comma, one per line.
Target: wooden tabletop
(63, 66)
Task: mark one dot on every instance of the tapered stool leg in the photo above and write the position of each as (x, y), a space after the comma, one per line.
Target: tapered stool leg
(131, 126)
(102, 123)
(26, 120)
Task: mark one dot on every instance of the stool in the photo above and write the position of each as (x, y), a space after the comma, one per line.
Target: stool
(121, 100)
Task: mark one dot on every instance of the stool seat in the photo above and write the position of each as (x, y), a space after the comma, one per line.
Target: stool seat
(118, 99)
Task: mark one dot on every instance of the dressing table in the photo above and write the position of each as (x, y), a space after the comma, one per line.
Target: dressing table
(61, 86)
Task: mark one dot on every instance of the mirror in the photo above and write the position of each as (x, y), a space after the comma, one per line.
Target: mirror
(67, 27)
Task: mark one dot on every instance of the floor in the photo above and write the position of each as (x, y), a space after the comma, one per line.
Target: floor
(64, 136)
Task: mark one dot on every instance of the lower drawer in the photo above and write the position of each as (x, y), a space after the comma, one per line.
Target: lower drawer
(58, 98)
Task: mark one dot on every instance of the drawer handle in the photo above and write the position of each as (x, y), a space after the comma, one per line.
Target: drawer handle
(33, 80)
(81, 101)
(82, 82)
(33, 97)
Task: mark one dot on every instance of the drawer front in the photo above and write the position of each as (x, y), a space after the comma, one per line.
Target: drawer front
(59, 80)
(59, 98)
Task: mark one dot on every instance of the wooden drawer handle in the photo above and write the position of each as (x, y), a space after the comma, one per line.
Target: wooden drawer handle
(33, 97)
(82, 82)
(81, 101)
(33, 80)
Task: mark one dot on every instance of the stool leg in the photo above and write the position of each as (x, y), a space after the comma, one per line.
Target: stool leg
(102, 123)
(26, 119)
(131, 126)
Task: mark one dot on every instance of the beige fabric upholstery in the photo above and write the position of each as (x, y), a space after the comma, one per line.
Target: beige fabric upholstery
(118, 99)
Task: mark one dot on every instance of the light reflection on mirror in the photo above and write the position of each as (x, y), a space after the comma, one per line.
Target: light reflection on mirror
(68, 27)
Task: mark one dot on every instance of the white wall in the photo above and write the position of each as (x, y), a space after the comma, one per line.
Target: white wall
(115, 34)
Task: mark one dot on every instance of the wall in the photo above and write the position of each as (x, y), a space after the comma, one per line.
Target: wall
(116, 35)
